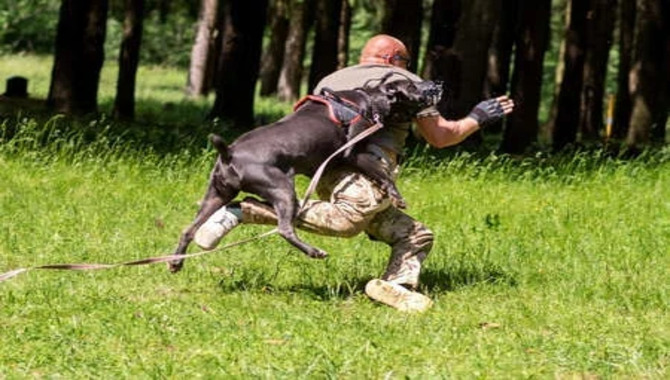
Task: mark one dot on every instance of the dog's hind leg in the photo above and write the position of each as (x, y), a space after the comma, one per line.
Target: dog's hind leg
(212, 202)
(280, 192)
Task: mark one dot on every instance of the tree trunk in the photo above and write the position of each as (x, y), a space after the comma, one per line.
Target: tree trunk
(500, 52)
(438, 61)
(203, 57)
(478, 18)
(325, 47)
(532, 40)
(443, 25)
(569, 97)
(563, 7)
(600, 26)
(79, 56)
(343, 35)
(403, 19)
(274, 53)
(290, 77)
(623, 104)
(648, 76)
(124, 104)
(500, 55)
(239, 62)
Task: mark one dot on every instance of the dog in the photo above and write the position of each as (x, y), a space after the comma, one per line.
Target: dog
(265, 160)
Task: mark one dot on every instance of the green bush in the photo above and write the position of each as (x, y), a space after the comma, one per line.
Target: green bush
(28, 25)
(163, 43)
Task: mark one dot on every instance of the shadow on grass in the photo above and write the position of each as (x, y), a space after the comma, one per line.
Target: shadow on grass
(161, 127)
(432, 281)
(443, 281)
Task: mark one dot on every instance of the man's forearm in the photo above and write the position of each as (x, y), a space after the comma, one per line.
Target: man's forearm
(441, 133)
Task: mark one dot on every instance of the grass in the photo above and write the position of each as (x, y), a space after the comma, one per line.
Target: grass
(542, 267)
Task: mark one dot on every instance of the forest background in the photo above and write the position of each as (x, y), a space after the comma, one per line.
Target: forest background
(583, 73)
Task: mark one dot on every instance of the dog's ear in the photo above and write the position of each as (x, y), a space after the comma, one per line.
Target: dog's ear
(220, 146)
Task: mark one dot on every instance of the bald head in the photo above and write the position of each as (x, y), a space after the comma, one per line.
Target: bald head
(385, 49)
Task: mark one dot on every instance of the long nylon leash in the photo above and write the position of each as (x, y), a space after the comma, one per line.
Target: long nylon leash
(161, 259)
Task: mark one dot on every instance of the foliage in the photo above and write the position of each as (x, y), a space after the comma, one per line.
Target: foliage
(28, 25)
(163, 43)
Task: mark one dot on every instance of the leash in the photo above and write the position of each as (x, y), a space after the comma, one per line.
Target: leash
(161, 259)
(319, 172)
(151, 260)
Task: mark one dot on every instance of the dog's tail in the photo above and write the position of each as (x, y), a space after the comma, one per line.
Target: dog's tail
(220, 146)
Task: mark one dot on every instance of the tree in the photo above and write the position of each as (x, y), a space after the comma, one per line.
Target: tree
(648, 74)
(343, 35)
(79, 56)
(325, 47)
(500, 51)
(622, 110)
(599, 30)
(465, 64)
(564, 125)
(437, 60)
(531, 41)
(403, 19)
(500, 55)
(203, 52)
(124, 104)
(273, 55)
(292, 68)
(239, 62)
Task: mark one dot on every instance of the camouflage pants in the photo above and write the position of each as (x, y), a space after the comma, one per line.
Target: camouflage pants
(355, 204)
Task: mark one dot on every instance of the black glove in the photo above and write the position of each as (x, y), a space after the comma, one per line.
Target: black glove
(487, 112)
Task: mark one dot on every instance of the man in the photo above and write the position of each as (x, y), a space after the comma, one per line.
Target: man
(354, 203)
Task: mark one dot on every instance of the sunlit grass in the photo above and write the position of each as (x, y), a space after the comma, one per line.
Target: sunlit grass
(537, 271)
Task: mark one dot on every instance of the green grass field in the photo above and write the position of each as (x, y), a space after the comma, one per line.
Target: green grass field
(544, 267)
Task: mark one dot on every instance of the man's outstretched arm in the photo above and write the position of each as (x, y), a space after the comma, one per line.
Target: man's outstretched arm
(441, 133)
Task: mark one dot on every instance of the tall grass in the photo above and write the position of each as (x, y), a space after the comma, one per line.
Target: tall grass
(542, 267)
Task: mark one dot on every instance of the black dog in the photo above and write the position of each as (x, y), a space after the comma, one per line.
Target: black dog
(265, 160)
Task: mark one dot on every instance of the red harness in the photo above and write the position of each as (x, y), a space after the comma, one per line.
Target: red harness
(338, 113)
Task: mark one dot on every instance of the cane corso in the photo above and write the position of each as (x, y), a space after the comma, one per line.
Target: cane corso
(265, 160)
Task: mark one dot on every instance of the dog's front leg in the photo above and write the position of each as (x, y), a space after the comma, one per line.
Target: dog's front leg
(210, 204)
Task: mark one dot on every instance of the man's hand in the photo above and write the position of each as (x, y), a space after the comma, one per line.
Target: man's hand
(491, 110)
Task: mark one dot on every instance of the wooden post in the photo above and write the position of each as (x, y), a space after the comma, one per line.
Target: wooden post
(17, 87)
(610, 117)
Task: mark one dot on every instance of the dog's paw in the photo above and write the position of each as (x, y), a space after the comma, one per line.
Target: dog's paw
(318, 254)
(175, 266)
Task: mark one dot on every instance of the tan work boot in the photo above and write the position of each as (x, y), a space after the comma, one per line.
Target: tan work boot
(397, 296)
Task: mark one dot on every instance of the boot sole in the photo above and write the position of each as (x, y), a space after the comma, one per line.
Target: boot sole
(397, 296)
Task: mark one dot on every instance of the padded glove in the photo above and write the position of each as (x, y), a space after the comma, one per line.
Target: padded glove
(487, 112)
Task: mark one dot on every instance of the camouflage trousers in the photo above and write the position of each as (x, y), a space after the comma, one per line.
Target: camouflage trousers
(350, 203)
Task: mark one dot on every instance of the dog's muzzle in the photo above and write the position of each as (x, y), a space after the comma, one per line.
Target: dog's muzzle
(431, 91)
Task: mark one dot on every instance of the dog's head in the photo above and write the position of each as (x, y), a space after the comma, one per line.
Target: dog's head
(400, 100)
